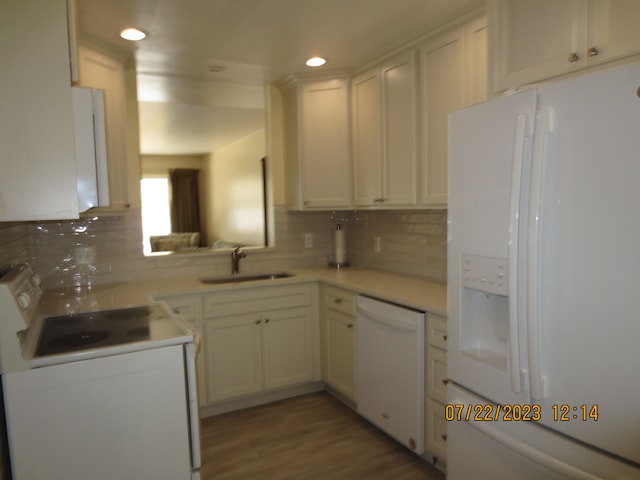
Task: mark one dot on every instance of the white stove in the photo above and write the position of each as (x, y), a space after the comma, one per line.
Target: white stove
(99, 394)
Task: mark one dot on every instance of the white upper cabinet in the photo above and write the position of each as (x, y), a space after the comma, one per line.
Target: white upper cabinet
(534, 40)
(317, 144)
(384, 112)
(612, 30)
(105, 71)
(37, 158)
(453, 74)
(367, 138)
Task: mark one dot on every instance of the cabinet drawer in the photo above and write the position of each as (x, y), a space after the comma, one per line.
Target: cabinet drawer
(340, 299)
(248, 300)
(437, 374)
(186, 307)
(436, 428)
(437, 331)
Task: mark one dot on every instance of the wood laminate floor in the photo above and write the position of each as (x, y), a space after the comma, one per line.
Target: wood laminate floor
(308, 437)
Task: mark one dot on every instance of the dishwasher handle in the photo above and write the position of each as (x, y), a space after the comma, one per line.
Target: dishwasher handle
(390, 315)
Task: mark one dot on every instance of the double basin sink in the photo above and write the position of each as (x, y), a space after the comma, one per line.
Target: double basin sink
(245, 278)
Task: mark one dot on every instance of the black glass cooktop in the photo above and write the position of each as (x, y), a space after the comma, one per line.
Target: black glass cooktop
(104, 328)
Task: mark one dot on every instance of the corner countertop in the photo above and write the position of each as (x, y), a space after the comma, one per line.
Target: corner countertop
(414, 292)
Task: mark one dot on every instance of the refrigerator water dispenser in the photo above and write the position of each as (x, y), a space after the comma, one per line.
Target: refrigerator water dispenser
(484, 309)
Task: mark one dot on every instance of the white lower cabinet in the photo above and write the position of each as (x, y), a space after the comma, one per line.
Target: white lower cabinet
(338, 340)
(436, 432)
(436, 389)
(258, 339)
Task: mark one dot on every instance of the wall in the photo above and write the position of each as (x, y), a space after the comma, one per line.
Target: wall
(14, 242)
(413, 243)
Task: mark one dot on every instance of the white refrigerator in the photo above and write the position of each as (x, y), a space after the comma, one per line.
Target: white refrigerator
(544, 282)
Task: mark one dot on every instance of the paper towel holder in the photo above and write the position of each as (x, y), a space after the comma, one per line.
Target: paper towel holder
(340, 260)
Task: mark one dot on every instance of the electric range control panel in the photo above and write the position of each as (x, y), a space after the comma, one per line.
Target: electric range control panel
(26, 287)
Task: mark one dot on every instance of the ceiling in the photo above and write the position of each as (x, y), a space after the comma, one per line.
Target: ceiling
(187, 109)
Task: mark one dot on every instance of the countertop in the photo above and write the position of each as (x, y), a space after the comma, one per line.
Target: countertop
(414, 292)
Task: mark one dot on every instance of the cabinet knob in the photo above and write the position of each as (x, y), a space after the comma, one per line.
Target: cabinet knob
(573, 57)
(338, 300)
(444, 337)
(444, 437)
(349, 325)
(258, 322)
(593, 51)
(445, 381)
(266, 320)
(306, 203)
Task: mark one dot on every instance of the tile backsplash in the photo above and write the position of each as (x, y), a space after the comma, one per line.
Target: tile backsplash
(108, 249)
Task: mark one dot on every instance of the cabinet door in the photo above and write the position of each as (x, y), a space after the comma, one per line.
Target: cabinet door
(612, 30)
(437, 374)
(399, 131)
(443, 90)
(324, 148)
(367, 150)
(233, 356)
(476, 48)
(340, 352)
(37, 157)
(436, 430)
(98, 70)
(286, 347)
(536, 39)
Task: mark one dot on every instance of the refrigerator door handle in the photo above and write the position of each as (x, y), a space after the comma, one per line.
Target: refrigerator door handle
(541, 458)
(513, 246)
(536, 379)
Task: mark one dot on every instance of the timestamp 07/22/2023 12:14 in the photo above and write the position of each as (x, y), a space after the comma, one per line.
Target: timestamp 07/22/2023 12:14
(519, 413)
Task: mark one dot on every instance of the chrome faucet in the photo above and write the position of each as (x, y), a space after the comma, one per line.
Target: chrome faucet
(236, 255)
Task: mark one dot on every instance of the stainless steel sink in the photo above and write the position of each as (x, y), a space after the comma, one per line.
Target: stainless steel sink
(245, 278)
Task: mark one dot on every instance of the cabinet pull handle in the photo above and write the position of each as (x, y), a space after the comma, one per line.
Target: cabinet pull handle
(349, 325)
(573, 57)
(338, 300)
(593, 51)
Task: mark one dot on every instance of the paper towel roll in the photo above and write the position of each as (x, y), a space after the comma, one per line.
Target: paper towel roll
(340, 250)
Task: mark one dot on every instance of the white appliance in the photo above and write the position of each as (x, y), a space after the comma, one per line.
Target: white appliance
(91, 147)
(102, 394)
(390, 353)
(543, 257)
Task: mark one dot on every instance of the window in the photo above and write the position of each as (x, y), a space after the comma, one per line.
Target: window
(156, 216)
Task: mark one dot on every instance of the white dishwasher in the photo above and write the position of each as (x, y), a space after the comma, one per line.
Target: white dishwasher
(390, 358)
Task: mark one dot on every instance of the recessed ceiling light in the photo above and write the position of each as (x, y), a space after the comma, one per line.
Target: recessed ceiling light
(316, 62)
(132, 34)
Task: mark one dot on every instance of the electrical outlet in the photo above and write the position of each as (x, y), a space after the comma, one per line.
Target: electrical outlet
(84, 255)
(377, 244)
(308, 240)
